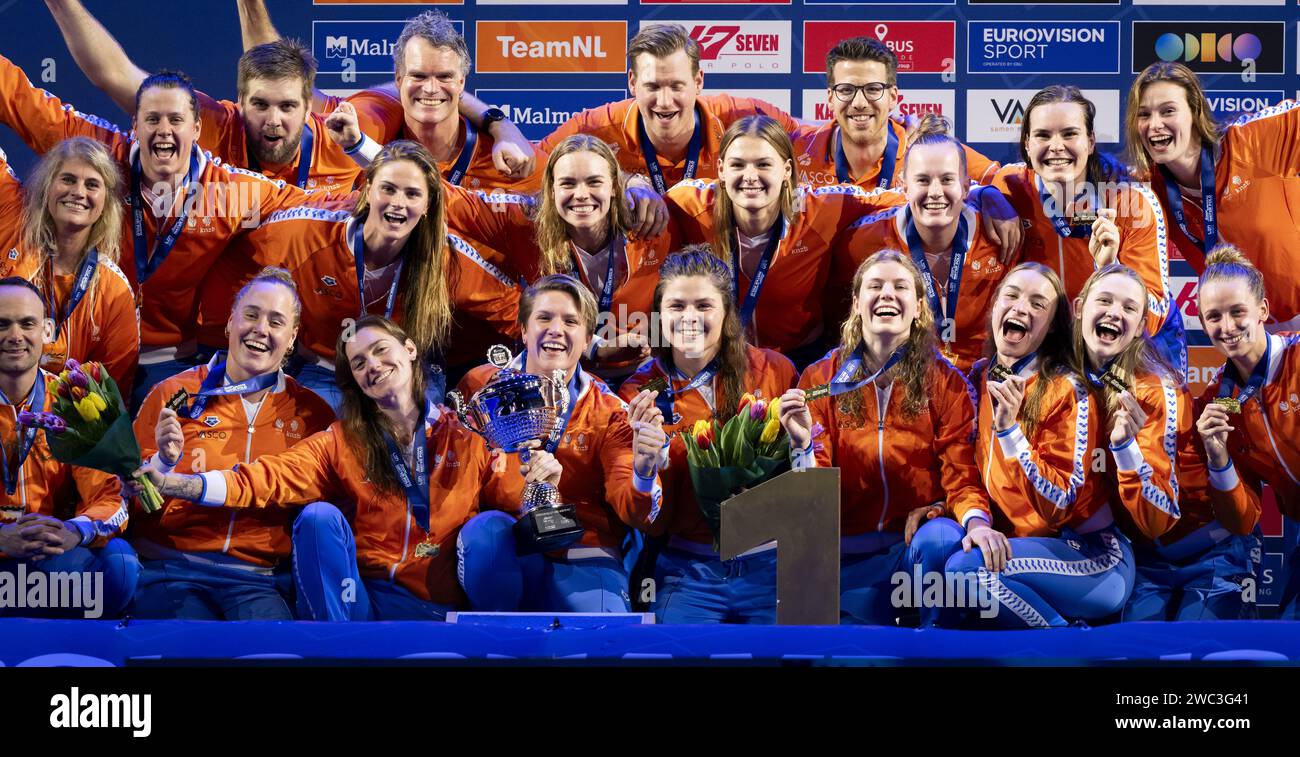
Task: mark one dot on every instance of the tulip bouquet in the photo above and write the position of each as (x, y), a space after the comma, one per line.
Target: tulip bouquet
(89, 426)
(747, 450)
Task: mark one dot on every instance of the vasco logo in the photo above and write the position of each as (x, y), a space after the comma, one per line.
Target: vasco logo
(213, 435)
(1211, 46)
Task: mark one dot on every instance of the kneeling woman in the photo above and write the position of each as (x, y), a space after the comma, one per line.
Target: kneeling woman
(708, 367)
(404, 471)
(1038, 430)
(899, 425)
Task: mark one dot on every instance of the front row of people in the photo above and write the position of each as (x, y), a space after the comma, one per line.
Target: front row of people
(1072, 479)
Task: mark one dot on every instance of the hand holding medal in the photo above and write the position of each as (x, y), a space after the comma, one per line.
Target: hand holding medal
(1214, 426)
(167, 434)
(1127, 420)
(1103, 243)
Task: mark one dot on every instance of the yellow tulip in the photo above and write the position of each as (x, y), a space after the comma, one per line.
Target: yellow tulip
(770, 431)
(100, 404)
(701, 428)
(87, 410)
(773, 410)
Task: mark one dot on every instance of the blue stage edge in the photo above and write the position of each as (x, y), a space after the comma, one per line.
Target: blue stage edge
(552, 641)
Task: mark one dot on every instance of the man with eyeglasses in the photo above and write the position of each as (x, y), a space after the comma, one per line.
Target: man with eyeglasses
(861, 145)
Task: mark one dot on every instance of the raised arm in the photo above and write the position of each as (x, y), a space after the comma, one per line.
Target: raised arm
(255, 27)
(97, 53)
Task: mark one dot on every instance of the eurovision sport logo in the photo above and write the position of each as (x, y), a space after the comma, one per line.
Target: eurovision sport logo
(738, 46)
(538, 112)
(1227, 104)
(551, 47)
(922, 47)
(1211, 47)
(357, 47)
(1042, 47)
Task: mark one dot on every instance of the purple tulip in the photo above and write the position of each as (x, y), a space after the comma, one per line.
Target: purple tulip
(757, 410)
(78, 379)
(28, 418)
(71, 365)
(53, 423)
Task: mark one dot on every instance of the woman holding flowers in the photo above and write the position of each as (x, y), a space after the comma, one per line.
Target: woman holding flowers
(706, 376)
(900, 425)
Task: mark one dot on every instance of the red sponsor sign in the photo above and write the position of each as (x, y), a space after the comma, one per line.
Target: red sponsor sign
(922, 47)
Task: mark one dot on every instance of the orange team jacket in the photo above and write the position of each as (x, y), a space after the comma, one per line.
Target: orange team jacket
(981, 275)
(222, 437)
(1161, 476)
(1041, 485)
(1144, 238)
(169, 298)
(890, 464)
(223, 134)
(794, 295)
(1257, 182)
(814, 149)
(104, 328)
(91, 499)
(768, 376)
(1265, 441)
(381, 118)
(598, 479)
(315, 246)
(326, 467)
(616, 123)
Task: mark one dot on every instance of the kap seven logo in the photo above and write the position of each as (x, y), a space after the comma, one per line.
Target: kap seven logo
(740, 46)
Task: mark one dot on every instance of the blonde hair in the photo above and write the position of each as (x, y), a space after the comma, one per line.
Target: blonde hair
(1228, 262)
(426, 297)
(38, 231)
(920, 350)
(934, 129)
(1140, 356)
(770, 131)
(1202, 120)
(566, 284)
(552, 232)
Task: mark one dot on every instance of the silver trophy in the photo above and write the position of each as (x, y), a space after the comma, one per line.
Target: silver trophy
(510, 411)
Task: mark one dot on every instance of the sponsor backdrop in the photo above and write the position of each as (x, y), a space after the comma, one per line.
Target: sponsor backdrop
(975, 61)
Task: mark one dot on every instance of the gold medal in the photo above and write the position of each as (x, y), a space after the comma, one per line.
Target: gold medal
(425, 549)
(656, 384)
(999, 372)
(1231, 404)
(1113, 381)
(1084, 218)
(817, 392)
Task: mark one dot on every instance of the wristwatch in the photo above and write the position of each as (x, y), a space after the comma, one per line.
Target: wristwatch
(491, 116)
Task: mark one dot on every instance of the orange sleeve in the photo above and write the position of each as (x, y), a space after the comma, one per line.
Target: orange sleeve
(40, 119)
(1147, 466)
(636, 505)
(821, 412)
(690, 212)
(1234, 493)
(11, 201)
(482, 290)
(588, 121)
(1050, 472)
(216, 118)
(1269, 139)
(120, 349)
(499, 220)
(1144, 241)
(379, 115)
(306, 472)
(980, 169)
(100, 504)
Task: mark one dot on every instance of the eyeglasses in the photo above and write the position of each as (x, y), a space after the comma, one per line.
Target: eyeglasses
(847, 92)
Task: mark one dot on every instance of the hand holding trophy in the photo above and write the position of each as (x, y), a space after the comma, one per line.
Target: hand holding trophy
(512, 412)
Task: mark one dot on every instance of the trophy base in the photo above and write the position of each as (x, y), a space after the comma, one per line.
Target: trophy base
(544, 529)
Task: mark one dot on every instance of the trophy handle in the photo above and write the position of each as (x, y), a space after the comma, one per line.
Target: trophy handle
(457, 403)
(561, 405)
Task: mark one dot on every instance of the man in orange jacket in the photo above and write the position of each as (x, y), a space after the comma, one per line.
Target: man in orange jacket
(58, 522)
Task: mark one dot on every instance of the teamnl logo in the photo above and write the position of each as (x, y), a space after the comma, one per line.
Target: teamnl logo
(65, 591)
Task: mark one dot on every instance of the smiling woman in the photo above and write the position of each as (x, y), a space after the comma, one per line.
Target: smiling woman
(67, 240)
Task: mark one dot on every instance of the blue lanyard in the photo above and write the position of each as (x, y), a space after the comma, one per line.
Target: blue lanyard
(843, 381)
(416, 485)
(1098, 378)
(652, 158)
(760, 274)
(26, 438)
(668, 397)
(304, 157)
(1208, 201)
(145, 264)
(1062, 225)
(359, 255)
(466, 154)
(553, 441)
(215, 386)
(887, 161)
(616, 248)
(85, 272)
(1230, 378)
(955, 272)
